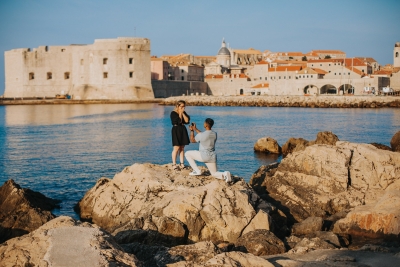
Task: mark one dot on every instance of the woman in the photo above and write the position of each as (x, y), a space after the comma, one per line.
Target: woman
(180, 137)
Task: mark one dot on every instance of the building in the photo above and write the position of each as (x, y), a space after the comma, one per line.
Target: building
(107, 69)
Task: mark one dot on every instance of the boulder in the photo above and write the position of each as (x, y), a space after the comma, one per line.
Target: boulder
(267, 144)
(22, 210)
(323, 180)
(381, 146)
(65, 242)
(395, 142)
(377, 220)
(260, 243)
(309, 244)
(308, 226)
(173, 207)
(294, 144)
(235, 258)
(326, 138)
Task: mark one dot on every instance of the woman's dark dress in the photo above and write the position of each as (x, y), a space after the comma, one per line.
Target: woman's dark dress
(179, 132)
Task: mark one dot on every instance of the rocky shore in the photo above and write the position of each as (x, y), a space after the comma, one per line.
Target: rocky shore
(290, 101)
(328, 203)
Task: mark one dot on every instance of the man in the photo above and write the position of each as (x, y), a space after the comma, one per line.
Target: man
(206, 152)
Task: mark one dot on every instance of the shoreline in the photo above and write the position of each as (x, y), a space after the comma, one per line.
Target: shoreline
(246, 101)
(290, 101)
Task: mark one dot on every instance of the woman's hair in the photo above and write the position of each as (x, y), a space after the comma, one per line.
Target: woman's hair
(180, 102)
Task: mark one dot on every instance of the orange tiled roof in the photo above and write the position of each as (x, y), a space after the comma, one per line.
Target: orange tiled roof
(247, 51)
(383, 72)
(295, 54)
(327, 51)
(214, 76)
(353, 62)
(261, 85)
(333, 60)
(319, 71)
(285, 68)
(367, 59)
(359, 72)
(262, 62)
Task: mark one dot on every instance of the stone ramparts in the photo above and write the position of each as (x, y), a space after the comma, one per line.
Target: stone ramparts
(290, 101)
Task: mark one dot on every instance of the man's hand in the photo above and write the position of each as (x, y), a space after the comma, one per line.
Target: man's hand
(192, 126)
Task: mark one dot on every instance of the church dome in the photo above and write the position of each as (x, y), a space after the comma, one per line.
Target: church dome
(397, 44)
(223, 51)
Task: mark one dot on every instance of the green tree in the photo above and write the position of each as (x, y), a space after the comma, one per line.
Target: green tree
(327, 57)
(304, 58)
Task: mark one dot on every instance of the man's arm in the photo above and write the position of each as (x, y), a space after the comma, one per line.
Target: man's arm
(192, 129)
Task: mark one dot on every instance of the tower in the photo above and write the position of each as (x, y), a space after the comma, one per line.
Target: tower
(396, 55)
(224, 56)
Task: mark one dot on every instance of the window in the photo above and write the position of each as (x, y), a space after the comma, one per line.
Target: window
(311, 76)
(289, 77)
(131, 61)
(105, 61)
(82, 62)
(312, 65)
(31, 76)
(62, 50)
(49, 76)
(181, 71)
(183, 78)
(307, 76)
(105, 75)
(279, 77)
(349, 73)
(131, 74)
(284, 77)
(335, 73)
(260, 78)
(397, 54)
(66, 75)
(320, 64)
(129, 46)
(329, 64)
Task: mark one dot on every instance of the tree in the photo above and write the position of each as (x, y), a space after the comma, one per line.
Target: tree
(304, 58)
(327, 57)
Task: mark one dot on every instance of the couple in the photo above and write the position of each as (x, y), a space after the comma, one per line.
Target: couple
(206, 140)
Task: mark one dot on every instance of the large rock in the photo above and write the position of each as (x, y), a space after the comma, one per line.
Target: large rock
(235, 258)
(323, 179)
(395, 142)
(65, 242)
(299, 144)
(377, 220)
(174, 207)
(267, 144)
(22, 210)
(308, 226)
(260, 243)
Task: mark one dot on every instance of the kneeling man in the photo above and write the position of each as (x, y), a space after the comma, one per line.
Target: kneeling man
(206, 152)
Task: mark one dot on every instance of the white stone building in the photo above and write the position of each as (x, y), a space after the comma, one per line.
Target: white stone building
(108, 69)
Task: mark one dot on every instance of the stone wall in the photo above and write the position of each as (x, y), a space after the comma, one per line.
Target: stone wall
(164, 89)
(108, 69)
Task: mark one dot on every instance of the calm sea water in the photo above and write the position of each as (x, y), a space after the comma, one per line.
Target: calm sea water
(61, 150)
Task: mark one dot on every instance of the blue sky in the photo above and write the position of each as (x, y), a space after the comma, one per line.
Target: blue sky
(359, 28)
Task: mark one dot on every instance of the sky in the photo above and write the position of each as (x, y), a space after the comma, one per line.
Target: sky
(358, 27)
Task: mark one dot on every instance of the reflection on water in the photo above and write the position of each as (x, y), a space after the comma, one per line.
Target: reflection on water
(62, 150)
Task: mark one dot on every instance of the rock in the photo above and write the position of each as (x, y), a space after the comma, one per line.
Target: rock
(309, 244)
(260, 243)
(267, 144)
(299, 144)
(236, 258)
(151, 255)
(294, 144)
(326, 138)
(380, 146)
(378, 220)
(22, 210)
(190, 255)
(329, 237)
(308, 226)
(65, 242)
(323, 180)
(395, 142)
(175, 207)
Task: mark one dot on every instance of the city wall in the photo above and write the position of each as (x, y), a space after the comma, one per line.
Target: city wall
(108, 69)
(164, 89)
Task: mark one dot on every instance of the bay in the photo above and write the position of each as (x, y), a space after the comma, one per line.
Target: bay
(62, 150)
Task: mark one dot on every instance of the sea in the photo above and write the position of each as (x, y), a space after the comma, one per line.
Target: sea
(62, 150)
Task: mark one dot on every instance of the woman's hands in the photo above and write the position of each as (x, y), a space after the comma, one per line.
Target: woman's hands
(182, 114)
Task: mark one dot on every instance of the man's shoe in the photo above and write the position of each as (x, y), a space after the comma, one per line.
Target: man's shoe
(195, 173)
(227, 177)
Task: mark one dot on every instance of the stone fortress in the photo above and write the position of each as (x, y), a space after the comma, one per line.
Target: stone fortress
(108, 69)
(122, 69)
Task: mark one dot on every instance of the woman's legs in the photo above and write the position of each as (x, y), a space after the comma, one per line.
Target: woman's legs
(181, 154)
(175, 153)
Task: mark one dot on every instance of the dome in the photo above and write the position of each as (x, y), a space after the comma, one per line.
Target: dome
(224, 51)
(397, 44)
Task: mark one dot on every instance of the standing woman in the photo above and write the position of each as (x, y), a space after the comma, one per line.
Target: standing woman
(180, 137)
